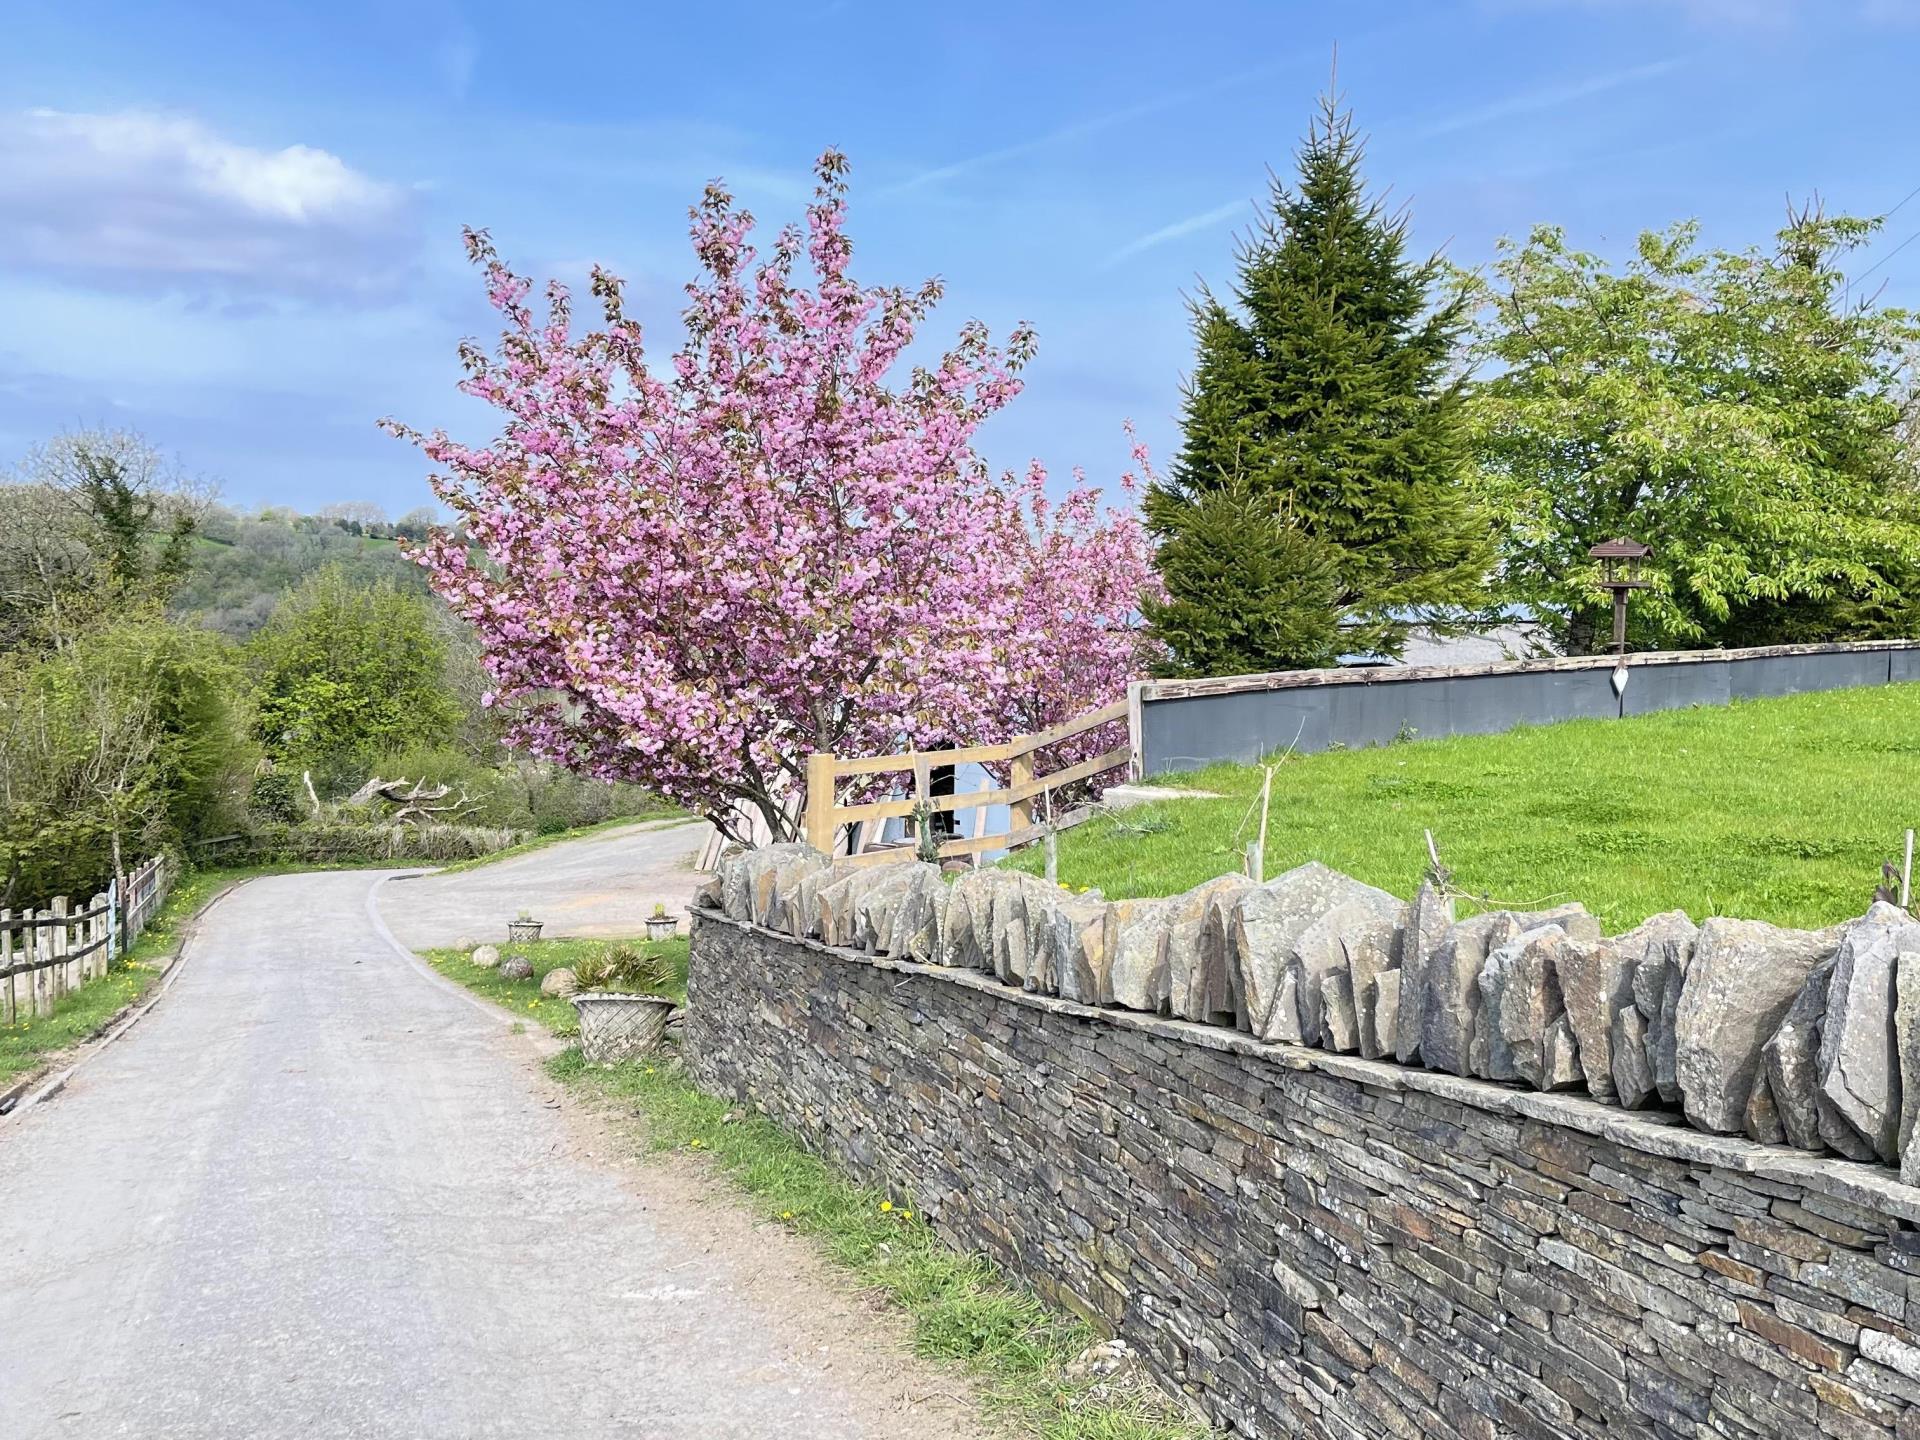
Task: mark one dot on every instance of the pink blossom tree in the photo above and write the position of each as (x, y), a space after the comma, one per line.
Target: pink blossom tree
(692, 579)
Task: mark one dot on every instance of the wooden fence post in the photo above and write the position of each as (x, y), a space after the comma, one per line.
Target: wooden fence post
(43, 978)
(10, 986)
(820, 802)
(62, 943)
(1020, 812)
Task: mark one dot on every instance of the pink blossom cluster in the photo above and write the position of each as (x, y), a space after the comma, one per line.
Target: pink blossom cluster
(691, 580)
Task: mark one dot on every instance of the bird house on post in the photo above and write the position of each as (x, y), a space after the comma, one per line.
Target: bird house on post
(1622, 568)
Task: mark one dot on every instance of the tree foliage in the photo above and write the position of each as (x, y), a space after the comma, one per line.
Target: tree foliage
(98, 521)
(345, 673)
(129, 739)
(691, 579)
(1731, 409)
(1317, 507)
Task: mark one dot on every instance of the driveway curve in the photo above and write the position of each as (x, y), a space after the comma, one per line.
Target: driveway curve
(319, 1191)
(606, 884)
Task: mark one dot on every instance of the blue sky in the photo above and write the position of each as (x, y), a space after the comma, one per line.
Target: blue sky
(235, 226)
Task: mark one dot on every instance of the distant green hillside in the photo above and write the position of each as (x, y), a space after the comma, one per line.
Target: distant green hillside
(243, 564)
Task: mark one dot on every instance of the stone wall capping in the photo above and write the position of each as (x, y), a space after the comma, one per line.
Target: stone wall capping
(1656, 1133)
(1303, 1241)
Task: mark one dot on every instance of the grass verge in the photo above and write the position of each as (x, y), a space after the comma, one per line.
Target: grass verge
(87, 1011)
(523, 997)
(962, 1310)
(1776, 810)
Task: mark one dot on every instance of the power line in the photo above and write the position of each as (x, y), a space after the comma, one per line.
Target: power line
(1886, 257)
(1896, 209)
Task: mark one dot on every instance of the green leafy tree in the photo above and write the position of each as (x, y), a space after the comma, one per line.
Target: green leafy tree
(122, 742)
(1732, 410)
(1317, 506)
(344, 673)
(99, 523)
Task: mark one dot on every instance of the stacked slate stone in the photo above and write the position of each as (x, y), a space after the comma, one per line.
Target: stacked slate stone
(1795, 1037)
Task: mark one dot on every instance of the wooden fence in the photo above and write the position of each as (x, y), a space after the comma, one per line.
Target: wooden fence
(1021, 792)
(47, 954)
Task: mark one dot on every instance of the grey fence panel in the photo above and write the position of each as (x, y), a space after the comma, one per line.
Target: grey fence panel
(1674, 687)
(1188, 725)
(1796, 674)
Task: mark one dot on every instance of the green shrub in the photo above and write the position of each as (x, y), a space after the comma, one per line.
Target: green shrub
(333, 843)
(274, 795)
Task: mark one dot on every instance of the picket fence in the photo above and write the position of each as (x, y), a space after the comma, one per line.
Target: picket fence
(50, 953)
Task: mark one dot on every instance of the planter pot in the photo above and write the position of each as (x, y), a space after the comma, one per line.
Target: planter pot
(620, 1027)
(519, 932)
(662, 927)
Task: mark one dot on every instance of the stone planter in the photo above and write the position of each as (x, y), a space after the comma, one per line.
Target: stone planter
(620, 1027)
(662, 927)
(519, 932)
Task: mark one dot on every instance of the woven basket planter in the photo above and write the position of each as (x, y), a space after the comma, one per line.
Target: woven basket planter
(519, 932)
(619, 1027)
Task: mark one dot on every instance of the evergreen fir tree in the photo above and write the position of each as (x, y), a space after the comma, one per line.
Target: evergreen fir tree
(1322, 414)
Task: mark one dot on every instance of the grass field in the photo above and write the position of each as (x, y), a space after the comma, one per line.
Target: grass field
(1778, 810)
(523, 997)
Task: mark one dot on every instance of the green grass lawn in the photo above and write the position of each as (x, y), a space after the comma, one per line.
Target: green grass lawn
(523, 997)
(1778, 810)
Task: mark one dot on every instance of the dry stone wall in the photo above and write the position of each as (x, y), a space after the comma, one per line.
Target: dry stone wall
(1114, 1101)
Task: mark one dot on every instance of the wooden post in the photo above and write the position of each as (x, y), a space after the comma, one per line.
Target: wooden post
(10, 986)
(1020, 812)
(39, 981)
(45, 975)
(1259, 871)
(923, 800)
(69, 981)
(820, 802)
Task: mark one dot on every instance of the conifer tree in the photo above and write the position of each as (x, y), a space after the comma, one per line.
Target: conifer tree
(1324, 413)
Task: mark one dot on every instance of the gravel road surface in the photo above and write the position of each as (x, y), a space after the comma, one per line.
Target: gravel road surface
(606, 884)
(319, 1193)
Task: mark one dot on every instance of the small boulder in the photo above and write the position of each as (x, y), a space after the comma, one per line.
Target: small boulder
(1859, 1056)
(1379, 1011)
(1633, 1082)
(1906, 1031)
(1596, 983)
(1428, 922)
(559, 982)
(1340, 1024)
(485, 956)
(516, 967)
(1082, 936)
(1453, 995)
(1135, 980)
(1763, 1119)
(1180, 940)
(1739, 985)
(465, 944)
(1790, 1057)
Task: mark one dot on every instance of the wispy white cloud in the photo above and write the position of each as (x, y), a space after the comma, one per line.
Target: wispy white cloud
(1206, 220)
(1554, 97)
(1089, 125)
(1713, 14)
(142, 198)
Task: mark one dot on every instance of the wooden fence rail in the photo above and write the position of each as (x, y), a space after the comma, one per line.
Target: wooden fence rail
(1023, 788)
(50, 953)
